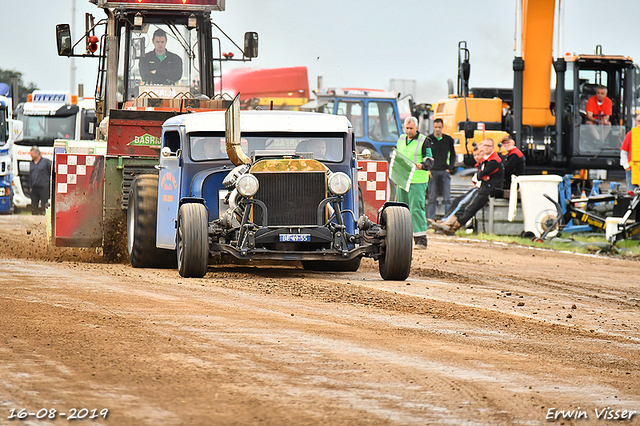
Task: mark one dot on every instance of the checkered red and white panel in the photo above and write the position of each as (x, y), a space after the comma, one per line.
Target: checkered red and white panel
(70, 167)
(373, 179)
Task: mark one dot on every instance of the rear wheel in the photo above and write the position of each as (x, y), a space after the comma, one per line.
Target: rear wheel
(193, 241)
(141, 226)
(395, 261)
(332, 265)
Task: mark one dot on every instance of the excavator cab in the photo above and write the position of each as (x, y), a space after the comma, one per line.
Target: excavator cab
(598, 145)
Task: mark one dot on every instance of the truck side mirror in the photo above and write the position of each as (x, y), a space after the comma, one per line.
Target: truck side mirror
(137, 48)
(365, 154)
(63, 38)
(16, 128)
(251, 44)
(166, 151)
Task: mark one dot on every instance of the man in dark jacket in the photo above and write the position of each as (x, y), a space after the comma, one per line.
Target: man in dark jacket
(39, 181)
(491, 176)
(444, 157)
(514, 163)
(160, 66)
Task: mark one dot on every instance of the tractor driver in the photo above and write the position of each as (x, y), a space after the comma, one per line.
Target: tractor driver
(160, 66)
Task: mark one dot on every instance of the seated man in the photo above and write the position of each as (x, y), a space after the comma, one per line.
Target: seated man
(514, 163)
(460, 201)
(491, 178)
(160, 66)
(317, 147)
(599, 107)
(206, 148)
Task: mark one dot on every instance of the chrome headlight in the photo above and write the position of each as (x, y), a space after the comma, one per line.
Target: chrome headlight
(247, 185)
(339, 183)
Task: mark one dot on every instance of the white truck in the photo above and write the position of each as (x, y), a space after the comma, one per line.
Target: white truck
(47, 116)
(10, 130)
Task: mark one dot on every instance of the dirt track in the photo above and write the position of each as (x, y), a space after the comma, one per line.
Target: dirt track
(480, 333)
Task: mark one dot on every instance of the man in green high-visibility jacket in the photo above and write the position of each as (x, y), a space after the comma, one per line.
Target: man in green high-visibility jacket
(415, 147)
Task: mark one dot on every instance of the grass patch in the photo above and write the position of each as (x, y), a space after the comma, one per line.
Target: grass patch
(596, 243)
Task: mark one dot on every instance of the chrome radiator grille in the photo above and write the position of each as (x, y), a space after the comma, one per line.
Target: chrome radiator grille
(291, 198)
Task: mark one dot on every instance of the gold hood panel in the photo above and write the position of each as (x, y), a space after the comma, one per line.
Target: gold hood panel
(288, 165)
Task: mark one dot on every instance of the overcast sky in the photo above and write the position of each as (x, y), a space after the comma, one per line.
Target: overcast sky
(356, 43)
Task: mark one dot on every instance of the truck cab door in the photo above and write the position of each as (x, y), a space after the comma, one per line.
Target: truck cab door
(168, 190)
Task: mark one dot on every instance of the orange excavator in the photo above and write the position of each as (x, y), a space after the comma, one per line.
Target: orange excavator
(548, 124)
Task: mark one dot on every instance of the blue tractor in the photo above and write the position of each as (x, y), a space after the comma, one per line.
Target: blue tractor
(282, 189)
(373, 113)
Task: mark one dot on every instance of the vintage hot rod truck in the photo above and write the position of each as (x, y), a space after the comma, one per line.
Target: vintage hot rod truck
(260, 186)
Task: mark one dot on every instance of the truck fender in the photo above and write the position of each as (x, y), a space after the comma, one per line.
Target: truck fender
(197, 200)
(389, 204)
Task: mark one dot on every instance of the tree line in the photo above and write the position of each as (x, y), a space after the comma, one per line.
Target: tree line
(23, 89)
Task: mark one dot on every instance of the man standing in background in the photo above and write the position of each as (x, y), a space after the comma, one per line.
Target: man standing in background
(444, 160)
(39, 181)
(414, 146)
(625, 157)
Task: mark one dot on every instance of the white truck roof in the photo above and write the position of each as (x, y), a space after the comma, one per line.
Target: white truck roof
(264, 121)
(47, 102)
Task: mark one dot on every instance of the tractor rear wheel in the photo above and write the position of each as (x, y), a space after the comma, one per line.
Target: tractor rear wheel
(395, 261)
(193, 241)
(141, 226)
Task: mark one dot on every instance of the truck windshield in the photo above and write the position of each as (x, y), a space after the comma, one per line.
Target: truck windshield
(163, 62)
(322, 147)
(382, 122)
(44, 129)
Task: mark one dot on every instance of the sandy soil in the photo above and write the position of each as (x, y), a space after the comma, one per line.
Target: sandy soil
(480, 334)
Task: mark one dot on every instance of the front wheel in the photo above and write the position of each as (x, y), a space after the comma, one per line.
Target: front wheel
(193, 241)
(395, 261)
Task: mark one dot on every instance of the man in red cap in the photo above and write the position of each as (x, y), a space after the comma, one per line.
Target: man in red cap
(514, 163)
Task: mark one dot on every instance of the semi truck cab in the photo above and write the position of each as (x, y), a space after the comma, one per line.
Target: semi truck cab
(47, 116)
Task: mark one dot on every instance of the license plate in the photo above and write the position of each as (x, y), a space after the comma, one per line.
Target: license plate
(295, 238)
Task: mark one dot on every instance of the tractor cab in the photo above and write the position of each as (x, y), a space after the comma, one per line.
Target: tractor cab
(165, 54)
